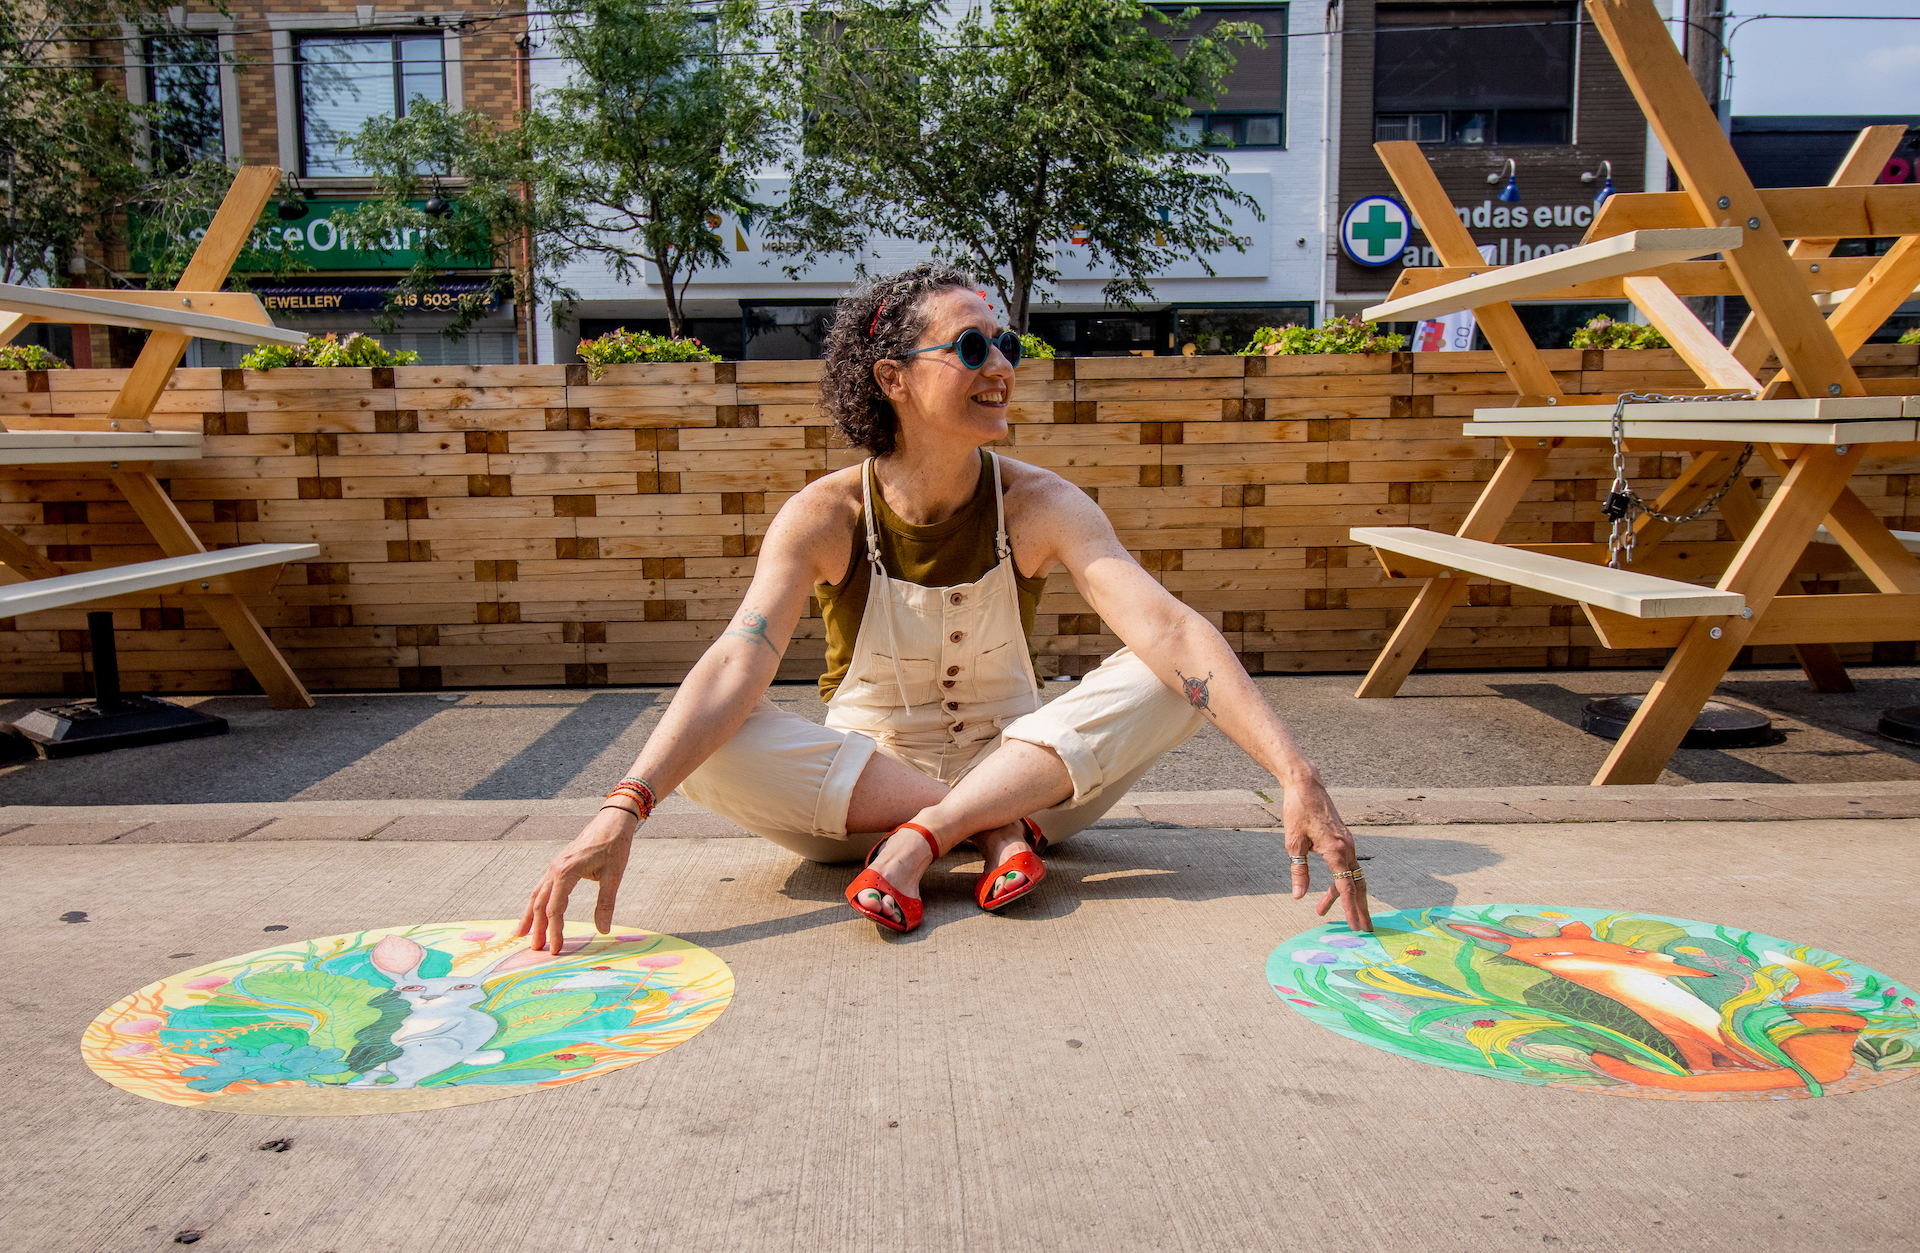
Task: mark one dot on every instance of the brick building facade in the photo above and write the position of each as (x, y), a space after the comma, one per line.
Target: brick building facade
(275, 83)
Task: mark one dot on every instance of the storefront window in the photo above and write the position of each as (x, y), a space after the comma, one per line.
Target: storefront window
(1474, 74)
(183, 85)
(345, 82)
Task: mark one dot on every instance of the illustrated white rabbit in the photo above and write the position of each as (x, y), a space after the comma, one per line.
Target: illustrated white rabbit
(446, 1026)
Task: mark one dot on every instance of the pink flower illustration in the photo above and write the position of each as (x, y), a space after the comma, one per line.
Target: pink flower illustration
(629, 938)
(208, 983)
(138, 1026)
(661, 961)
(476, 935)
(1297, 1001)
(135, 1049)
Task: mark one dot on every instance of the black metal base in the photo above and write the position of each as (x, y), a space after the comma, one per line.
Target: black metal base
(1902, 724)
(1718, 726)
(84, 727)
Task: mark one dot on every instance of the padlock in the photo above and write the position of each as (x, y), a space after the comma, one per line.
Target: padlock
(1617, 505)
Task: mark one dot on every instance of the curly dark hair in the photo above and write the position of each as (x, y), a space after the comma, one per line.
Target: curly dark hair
(878, 321)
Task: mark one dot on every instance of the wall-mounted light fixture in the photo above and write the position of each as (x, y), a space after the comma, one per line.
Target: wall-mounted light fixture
(1605, 174)
(1510, 194)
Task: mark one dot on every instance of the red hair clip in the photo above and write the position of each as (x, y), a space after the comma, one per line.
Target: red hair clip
(876, 318)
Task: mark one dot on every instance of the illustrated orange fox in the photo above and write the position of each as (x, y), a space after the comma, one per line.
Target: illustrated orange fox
(1643, 982)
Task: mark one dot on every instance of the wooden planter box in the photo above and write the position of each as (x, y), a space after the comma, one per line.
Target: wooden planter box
(531, 525)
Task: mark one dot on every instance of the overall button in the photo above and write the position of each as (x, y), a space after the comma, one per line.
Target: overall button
(953, 670)
(956, 637)
(956, 599)
(953, 704)
(959, 726)
(946, 683)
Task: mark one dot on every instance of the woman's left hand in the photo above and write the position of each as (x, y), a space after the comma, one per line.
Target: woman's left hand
(1312, 824)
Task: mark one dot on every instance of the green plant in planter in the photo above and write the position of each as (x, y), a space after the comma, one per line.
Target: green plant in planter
(1033, 348)
(1604, 332)
(622, 347)
(326, 351)
(28, 357)
(1911, 337)
(1339, 335)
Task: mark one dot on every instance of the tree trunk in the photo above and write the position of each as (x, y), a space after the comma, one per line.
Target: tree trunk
(674, 320)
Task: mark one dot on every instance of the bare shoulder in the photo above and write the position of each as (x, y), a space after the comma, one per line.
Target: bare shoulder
(1038, 496)
(815, 524)
(1049, 518)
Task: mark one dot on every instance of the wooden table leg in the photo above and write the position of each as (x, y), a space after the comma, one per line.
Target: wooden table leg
(1819, 662)
(1429, 609)
(176, 538)
(1812, 485)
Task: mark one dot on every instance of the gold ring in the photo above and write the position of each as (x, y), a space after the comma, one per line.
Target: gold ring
(1358, 876)
(1298, 861)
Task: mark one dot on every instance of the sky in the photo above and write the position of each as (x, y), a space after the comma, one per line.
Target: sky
(1828, 66)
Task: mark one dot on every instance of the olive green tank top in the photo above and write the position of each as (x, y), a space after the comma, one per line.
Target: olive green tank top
(958, 550)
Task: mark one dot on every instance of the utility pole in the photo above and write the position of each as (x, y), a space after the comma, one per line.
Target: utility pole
(1706, 56)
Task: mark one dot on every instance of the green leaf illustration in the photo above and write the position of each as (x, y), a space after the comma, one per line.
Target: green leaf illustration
(537, 1015)
(340, 1006)
(375, 1042)
(1577, 1002)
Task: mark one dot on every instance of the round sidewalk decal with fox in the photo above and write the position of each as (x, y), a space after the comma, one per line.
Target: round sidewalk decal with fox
(406, 1018)
(1624, 1003)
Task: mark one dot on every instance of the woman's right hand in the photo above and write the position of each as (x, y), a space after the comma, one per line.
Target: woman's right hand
(599, 853)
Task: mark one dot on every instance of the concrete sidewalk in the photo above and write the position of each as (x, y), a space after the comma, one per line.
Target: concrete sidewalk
(1105, 1069)
(678, 818)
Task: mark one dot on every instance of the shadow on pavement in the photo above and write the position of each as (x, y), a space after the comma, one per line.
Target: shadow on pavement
(544, 767)
(267, 755)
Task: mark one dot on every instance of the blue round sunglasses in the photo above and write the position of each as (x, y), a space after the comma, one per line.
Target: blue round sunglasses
(973, 345)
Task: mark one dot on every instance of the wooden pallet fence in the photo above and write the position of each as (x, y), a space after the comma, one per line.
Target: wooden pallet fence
(532, 525)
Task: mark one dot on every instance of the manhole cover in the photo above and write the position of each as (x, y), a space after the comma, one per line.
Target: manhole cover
(1718, 726)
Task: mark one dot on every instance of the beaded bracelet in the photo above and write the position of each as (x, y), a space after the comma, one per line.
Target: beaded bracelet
(639, 790)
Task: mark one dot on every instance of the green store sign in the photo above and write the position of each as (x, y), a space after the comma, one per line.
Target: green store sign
(318, 241)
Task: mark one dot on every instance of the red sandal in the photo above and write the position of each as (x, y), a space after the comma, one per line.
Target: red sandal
(870, 880)
(1026, 861)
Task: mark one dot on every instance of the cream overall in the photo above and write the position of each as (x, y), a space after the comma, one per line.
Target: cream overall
(939, 677)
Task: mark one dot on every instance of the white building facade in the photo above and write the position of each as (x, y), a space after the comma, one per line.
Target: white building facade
(1279, 111)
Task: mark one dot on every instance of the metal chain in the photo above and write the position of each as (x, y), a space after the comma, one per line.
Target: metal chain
(1624, 505)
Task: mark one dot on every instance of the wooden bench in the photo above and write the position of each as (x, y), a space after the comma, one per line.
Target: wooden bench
(1607, 258)
(1623, 591)
(204, 574)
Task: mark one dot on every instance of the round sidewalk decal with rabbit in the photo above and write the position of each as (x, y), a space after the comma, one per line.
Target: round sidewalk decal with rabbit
(406, 1018)
(1625, 1003)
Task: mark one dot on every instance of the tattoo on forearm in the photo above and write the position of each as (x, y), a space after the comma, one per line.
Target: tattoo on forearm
(1196, 692)
(753, 626)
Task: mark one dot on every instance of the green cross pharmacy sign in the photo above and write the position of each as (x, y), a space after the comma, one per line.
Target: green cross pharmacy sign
(1374, 231)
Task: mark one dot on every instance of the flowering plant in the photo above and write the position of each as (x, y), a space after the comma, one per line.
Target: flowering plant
(621, 346)
(325, 351)
(1604, 332)
(1033, 348)
(1339, 335)
(28, 357)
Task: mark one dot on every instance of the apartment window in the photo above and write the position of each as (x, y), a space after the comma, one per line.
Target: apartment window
(1250, 111)
(1474, 74)
(347, 81)
(183, 85)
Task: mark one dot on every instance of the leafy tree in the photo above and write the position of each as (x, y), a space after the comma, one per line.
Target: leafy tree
(661, 126)
(1001, 135)
(83, 165)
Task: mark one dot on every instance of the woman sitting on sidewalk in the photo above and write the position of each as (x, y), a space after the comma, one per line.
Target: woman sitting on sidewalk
(935, 733)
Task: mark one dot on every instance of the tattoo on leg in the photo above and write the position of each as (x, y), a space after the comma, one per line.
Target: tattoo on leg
(1196, 692)
(753, 626)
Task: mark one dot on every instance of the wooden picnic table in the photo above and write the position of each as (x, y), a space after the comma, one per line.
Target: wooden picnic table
(1814, 445)
(129, 448)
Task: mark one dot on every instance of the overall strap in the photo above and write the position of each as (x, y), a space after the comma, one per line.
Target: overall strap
(1005, 550)
(878, 582)
(1000, 546)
